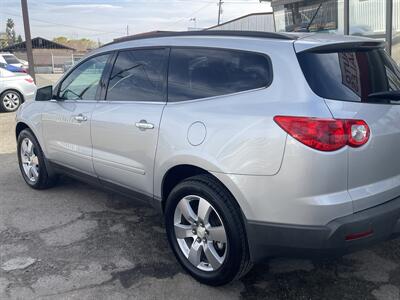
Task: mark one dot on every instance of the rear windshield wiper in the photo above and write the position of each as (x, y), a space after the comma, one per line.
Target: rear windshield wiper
(389, 95)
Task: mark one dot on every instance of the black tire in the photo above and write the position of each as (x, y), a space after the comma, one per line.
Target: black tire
(237, 262)
(45, 178)
(13, 93)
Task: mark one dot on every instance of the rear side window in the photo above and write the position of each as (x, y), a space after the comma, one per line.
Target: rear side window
(196, 73)
(11, 59)
(350, 75)
(139, 75)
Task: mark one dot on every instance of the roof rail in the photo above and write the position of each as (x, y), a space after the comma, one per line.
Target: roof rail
(232, 33)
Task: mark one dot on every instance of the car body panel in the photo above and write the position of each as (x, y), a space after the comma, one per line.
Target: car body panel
(68, 141)
(12, 68)
(303, 192)
(125, 158)
(374, 169)
(30, 114)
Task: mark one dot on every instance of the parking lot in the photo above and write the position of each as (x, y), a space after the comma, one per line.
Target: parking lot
(77, 242)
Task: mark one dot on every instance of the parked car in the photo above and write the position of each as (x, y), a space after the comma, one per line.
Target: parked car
(15, 88)
(11, 59)
(12, 68)
(251, 144)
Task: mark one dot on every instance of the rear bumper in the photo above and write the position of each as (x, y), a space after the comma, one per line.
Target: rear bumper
(378, 223)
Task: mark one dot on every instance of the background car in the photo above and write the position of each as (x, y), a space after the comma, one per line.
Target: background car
(15, 88)
(11, 59)
(12, 68)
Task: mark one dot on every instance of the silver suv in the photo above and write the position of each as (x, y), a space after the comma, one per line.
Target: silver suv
(251, 144)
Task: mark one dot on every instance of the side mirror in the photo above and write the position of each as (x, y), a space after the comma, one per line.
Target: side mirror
(44, 93)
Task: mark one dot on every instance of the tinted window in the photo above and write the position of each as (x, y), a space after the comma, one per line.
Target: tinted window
(350, 75)
(11, 59)
(200, 73)
(82, 82)
(139, 75)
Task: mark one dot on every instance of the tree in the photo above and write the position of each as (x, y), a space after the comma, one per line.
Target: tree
(10, 32)
(19, 39)
(80, 45)
(61, 40)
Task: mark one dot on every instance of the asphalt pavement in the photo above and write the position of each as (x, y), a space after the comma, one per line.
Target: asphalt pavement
(77, 242)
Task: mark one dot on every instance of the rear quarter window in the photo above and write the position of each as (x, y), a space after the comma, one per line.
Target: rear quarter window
(350, 75)
(196, 73)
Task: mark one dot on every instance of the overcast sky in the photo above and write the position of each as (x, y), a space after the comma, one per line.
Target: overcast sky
(105, 20)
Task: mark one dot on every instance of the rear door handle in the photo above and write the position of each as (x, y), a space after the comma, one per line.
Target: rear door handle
(80, 118)
(143, 125)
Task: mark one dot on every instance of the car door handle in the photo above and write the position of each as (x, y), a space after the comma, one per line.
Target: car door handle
(143, 125)
(80, 118)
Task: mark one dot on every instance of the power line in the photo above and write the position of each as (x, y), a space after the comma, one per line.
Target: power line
(65, 25)
(193, 13)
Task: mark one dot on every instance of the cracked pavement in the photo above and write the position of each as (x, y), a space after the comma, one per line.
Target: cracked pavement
(78, 242)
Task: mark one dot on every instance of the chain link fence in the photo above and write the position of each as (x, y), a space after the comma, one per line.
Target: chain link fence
(49, 63)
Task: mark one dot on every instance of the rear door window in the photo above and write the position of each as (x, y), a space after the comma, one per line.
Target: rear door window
(196, 73)
(351, 75)
(139, 75)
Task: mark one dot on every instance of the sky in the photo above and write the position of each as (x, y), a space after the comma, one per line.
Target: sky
(104, 20)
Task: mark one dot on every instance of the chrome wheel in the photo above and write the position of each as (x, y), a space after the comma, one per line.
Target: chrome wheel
(11, 101)
(200, 233)
(29, 160)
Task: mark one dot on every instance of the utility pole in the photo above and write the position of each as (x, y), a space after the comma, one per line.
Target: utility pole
(28, 39)
(219, 11)
(127, 30)
(195, 22)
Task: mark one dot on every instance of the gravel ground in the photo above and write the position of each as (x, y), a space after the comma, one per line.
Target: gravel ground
(77, 242)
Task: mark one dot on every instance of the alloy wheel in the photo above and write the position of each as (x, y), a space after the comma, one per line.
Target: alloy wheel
(11, 101)
(29, 160)
(200, 233)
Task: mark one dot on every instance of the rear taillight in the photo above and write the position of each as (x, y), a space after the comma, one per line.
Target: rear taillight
(357, 131)
(30, 80)
(325, 134)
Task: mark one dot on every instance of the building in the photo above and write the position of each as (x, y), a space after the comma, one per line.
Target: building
(252, 22)
(372, 18)
(49, 57)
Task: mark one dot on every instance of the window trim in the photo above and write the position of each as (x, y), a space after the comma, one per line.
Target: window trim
(107, 75)
(270, 67)
(57, 88)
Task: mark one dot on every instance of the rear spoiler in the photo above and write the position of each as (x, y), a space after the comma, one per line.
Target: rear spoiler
(346, 46)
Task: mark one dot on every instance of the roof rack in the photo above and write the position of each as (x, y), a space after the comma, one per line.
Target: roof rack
(234, 33)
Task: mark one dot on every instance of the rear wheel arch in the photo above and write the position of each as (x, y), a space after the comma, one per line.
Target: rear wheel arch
(178, 173)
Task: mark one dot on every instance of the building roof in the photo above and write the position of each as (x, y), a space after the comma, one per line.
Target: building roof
(37, 43)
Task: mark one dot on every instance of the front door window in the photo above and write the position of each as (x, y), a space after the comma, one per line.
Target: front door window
(84, 81)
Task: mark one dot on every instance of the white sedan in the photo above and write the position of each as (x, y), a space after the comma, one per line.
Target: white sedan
(15, 88)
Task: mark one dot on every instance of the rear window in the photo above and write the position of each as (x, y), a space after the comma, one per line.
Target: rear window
(11, 59)
(196, 73)
(350, 75)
